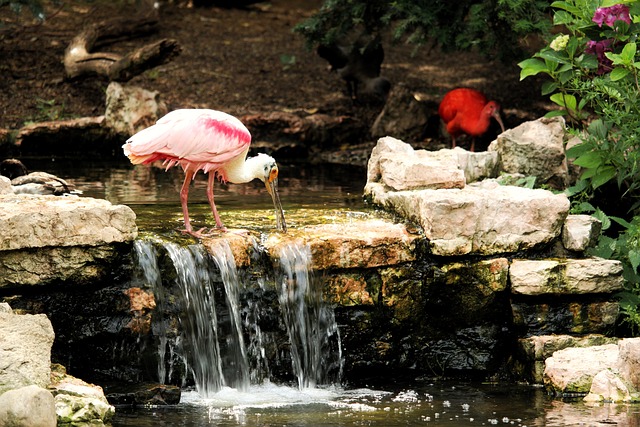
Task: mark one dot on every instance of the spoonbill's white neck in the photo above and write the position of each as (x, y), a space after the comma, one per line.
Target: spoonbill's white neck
(241, 170)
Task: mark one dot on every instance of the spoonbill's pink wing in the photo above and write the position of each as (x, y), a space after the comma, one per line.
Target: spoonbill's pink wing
(205, 139)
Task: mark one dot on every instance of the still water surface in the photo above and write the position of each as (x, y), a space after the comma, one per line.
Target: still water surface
(310, 194)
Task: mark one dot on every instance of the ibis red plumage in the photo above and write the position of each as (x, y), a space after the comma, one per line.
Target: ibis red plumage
(467, 111)
(207, 140)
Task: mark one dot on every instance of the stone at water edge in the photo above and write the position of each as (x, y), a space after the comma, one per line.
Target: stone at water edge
(31, 221)
(131, 109)
(77, 401)
(629, 361)
(572, 370)
(533, 351)
(398, 166)
(609, 387)
(25, 350)
(29, 406)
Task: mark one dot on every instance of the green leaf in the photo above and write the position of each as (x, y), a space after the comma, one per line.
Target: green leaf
(565, 100)
(591, 159)
(555, 113)
(531, 67)
(599, 129)
(549, 87)
(634, 259)
(604, 175)
(606, 223)
(618, 73)
(586, 207)
(578, 150)
(622, 222)
(628, 53)
(553, 56)
(566, 6)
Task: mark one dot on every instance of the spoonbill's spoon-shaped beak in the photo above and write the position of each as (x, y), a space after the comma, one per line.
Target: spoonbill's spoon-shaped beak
(272, 188)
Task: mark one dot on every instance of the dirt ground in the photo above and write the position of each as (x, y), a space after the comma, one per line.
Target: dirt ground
(242, 61)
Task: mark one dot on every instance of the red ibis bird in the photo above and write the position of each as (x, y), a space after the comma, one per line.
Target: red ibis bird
(207, 140)
(467, 111)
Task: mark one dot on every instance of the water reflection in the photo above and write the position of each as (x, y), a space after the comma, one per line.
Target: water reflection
(439, 404)
(309, 193)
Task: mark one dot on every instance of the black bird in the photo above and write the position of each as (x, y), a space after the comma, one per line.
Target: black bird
(43, 183)
(359, 65)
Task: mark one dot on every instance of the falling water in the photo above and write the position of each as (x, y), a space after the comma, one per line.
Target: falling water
(310, 322)
(238, 363)
(200, 324)
(223, 344)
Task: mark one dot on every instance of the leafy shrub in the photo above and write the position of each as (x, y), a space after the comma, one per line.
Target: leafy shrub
(593, 74)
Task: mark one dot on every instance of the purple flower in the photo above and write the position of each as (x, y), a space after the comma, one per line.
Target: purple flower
(599, 48)
(609, 15)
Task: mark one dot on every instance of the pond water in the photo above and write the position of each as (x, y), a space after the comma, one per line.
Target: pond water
(310, 194)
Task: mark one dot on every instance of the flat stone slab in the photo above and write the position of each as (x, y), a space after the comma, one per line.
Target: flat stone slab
(566, 277)
(29, 221)
(361, 244)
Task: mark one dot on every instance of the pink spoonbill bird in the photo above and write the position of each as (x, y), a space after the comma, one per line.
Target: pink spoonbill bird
(207, 140)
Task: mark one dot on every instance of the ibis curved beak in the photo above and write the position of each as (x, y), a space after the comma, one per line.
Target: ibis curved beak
(496, 115)
(272, 188)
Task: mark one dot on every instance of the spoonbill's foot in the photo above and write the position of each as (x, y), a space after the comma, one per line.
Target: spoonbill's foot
(204, 233)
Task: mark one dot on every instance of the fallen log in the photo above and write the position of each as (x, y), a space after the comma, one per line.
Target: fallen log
(80, 61)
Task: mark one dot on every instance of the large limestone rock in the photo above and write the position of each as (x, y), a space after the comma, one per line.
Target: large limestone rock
(41, 266)
(78, 402)
(607, 386)
(568, 276)
(30, 221)
(533, 351)
(131, 109)
(477, 166)
(25, 350)
(49, 238)
(572, 370)
(486, 218)
(607, 372)
(29, 406)
(5, 185)
(482, 218)
(535, 148)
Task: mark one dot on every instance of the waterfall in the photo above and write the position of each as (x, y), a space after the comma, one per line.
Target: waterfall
(310, 322)
(239, 364)
(215, 331)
